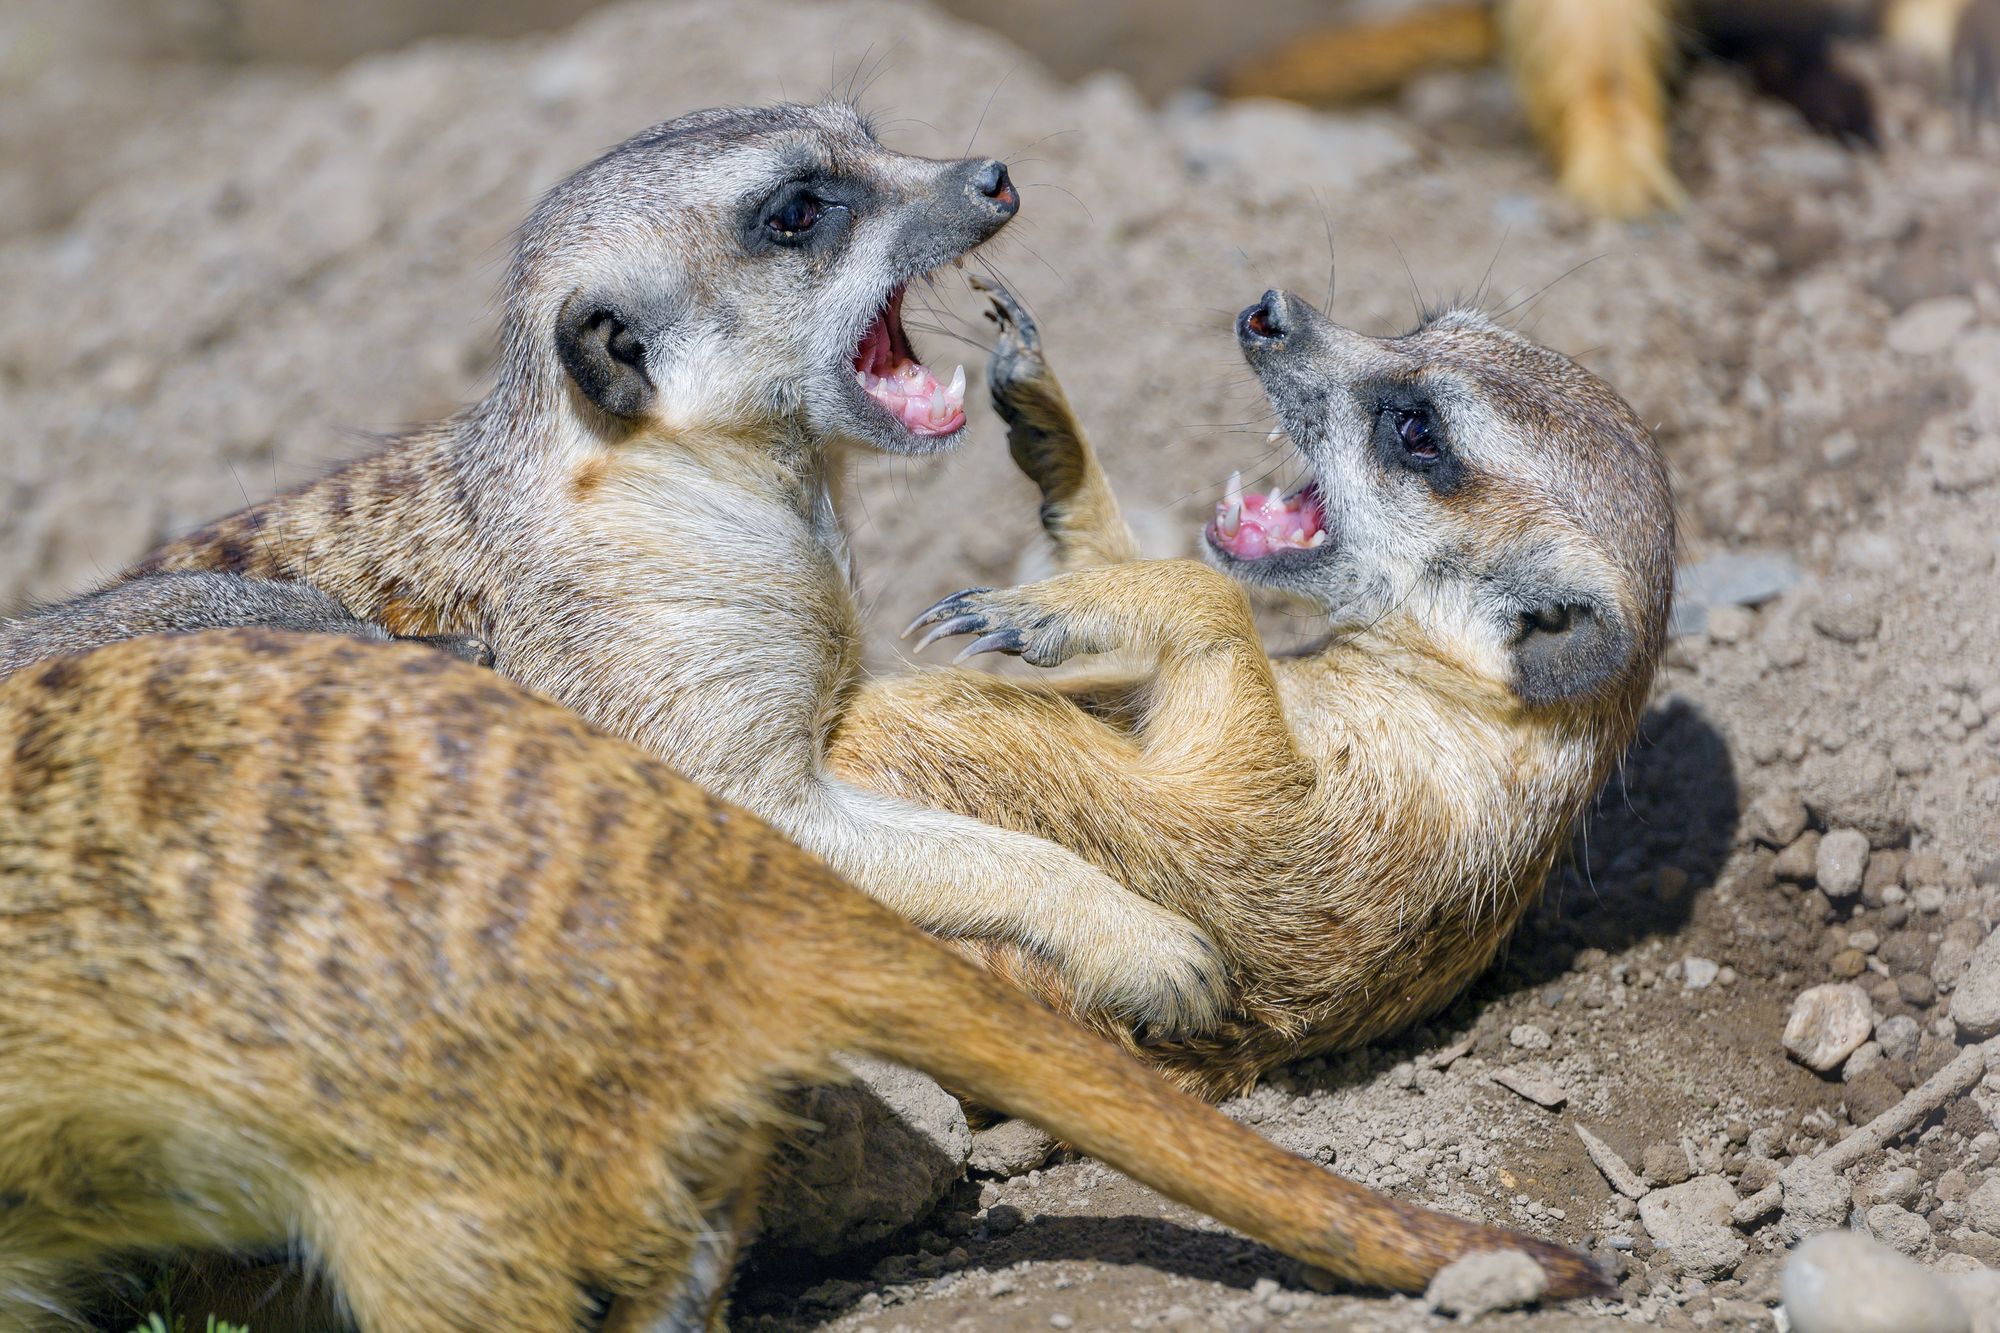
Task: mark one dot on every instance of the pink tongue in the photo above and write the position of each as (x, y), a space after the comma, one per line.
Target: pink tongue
(913, 395)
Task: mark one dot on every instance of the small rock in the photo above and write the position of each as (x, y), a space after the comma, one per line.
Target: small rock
(1776, 818)
(1061, 1321)
(1898, 1228)
(1691, 1222)
(1698, 973)
(1828, 1024)
(1847, 964)
(1928, 899)
(1842, 1282)
(1841, 863)
(1845, 615)
(1866, 1060)
(1010, 1148)
(881, 1154)
(1898, 1037)
(1815, 1200)
(1482, 1283)
(1929, 327)
(1759, 1174)
(1530, 1038)
(1664, 1164)
(1898, 1185)
(1917, 989)
(1800, 861)
(1535, 1086)
(1952, 1186)
(1982, 1207)
(1975, 1004)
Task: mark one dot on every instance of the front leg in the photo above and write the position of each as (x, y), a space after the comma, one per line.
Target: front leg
(1079, 512)
(1212, 698)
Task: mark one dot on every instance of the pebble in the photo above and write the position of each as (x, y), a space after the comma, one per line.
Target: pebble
(1815, 1200)
(1975, 1004)
(1847, 964)
(1690, 1221)
(1896, 1185)
(1534, 1086)
(1898, 1036)
(1776, 818)
(1898, 1228)
(1982, 1207)
(1841, 863)
(1061, 1321)
(1917, 989)
(1828, 1024)
(1845, 615)
(1928, 899)
(1481, 1283)
(1929, 328)
(1843, 1282)
(1664, 1164)
(1699, 973)
(1530, 1038)
(1799, 861)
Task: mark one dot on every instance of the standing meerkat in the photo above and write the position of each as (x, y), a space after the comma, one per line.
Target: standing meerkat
(363, 951)
(1489, 534)
(639, 517)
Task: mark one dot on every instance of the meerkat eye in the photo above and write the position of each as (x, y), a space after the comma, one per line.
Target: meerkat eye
(1413, 428)
(793, 216)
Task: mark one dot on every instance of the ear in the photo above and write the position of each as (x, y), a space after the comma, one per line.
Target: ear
(1566, 651)
(604, 356)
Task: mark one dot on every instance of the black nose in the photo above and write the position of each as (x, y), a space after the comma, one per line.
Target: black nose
(990, 179)
(1263, 322)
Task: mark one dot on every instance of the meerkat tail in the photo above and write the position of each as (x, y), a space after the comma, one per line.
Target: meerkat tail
(1354, 62)
(933, 1011)
(1591, 75)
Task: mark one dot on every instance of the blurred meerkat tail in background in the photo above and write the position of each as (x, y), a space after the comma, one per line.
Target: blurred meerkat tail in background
(1591, 76)
(1354, 62)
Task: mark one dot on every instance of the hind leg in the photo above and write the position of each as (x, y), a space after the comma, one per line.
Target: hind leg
(443, 1261)
(695, 1302)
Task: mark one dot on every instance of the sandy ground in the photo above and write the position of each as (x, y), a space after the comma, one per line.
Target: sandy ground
(290, 260)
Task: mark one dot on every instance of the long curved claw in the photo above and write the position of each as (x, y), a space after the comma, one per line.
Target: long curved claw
(1009, 641)
(938, 610)
(966, 624)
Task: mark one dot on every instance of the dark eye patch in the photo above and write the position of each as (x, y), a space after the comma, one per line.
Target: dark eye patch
(813, 212)
(1410, 435)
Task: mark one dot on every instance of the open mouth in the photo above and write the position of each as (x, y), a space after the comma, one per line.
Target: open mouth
(1253, 527)
(889, 373)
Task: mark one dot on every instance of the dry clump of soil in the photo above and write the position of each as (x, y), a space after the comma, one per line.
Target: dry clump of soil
(1818, 342)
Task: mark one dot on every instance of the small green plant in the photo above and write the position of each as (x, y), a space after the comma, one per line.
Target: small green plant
(158, 1323)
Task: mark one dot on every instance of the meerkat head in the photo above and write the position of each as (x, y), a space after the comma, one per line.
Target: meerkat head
(1465, 482)
(737, 267)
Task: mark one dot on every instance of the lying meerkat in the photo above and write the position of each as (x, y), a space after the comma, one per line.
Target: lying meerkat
(361, 950)
(1490, 536)
(639, 517)
(179, 603)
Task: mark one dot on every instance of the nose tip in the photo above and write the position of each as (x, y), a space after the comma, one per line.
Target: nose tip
(991, 180)
(1265, 321)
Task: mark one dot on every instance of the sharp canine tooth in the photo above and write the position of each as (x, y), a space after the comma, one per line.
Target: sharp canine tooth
(1276, 431)
(957, 390)
(1233, 495)
(1318, 538)
(1232, 519)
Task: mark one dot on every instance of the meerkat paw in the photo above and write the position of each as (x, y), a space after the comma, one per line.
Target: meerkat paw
(1015, 621)
(1154, 969)
(1613, 160)
(1042, 434)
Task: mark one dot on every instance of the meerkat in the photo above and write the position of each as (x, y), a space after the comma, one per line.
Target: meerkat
(639, 517)
(361, 950)
(180, 603)
(1592, 75)
(1489, 535)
